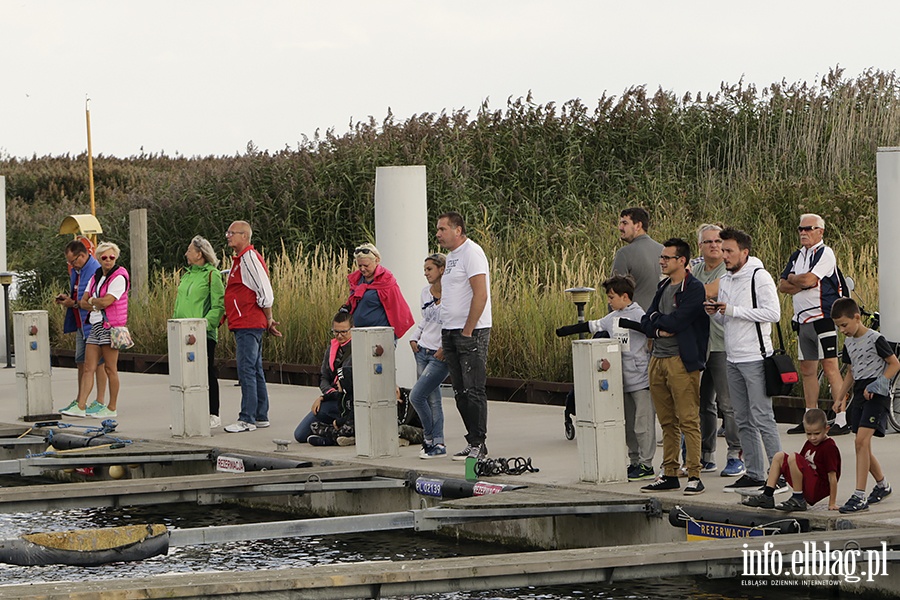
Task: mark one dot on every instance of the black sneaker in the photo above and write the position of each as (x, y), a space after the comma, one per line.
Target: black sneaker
(663, 484)
(317, 440)
(745, 483)
(793, 503)
(464, 453)
(879, 493)
(839, 430)
(694, 486)
(798, 429)
(478, 452)
(781, 486)
(640, 472)
(760, 501)
(854, 504)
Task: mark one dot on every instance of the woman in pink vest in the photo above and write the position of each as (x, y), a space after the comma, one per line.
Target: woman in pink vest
(106, 297)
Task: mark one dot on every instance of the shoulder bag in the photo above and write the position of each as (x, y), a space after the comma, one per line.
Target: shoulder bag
(781, 374)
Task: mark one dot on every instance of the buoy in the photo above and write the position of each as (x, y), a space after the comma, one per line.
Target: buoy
(117, 471)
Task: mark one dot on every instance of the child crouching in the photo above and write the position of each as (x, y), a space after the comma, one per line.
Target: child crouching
(812, 473)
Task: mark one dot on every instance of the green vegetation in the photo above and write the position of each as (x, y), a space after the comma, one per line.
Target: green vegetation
(540, 186)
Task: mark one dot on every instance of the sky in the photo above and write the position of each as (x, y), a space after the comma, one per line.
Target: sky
(199, 77)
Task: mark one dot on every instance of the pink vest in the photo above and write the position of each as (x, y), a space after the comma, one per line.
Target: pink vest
(117, 312)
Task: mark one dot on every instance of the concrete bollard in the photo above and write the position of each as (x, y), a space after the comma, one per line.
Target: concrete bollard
(188, 379)
(600, 410)
(375, 392)
(31, 335)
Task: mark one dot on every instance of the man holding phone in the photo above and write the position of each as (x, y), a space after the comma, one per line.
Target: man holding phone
(747, 305)
(82, 266)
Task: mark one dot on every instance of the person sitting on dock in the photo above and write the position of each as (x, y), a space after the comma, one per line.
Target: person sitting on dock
(623, 323)
(872, 366)
(334, 408)
(812, 473)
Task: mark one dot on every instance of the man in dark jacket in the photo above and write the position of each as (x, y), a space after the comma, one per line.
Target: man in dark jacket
(679, 327)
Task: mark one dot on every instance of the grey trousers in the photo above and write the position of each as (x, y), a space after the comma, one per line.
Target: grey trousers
(640, 427)
(754, 416)
(714, 394)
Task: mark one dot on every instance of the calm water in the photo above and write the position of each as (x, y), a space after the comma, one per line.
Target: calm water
(301, 552)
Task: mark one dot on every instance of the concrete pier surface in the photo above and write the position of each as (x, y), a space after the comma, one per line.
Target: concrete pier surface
(526, 430)
(514, 430)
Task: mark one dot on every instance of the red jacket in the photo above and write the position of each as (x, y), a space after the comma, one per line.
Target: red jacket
(395, 306)
(247, 291)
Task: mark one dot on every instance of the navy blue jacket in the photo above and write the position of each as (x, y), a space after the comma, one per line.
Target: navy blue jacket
(689, 321)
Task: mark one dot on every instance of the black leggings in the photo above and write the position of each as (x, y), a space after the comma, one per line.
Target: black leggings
(213, 375)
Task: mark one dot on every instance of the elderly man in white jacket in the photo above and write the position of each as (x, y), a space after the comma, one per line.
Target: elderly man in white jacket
(748, 328)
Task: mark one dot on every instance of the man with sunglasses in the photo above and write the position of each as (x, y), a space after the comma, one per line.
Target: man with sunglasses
(811, 278)
(248, 310)
(679, 326)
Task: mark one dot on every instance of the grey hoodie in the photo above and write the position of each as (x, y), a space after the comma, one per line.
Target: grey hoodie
(636, 357)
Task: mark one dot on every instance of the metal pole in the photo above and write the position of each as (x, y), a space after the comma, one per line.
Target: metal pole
(87, 114)
(6, 282)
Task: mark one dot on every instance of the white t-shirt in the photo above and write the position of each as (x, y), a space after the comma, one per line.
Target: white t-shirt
(464, 263)
(116, 288)
(808, 303)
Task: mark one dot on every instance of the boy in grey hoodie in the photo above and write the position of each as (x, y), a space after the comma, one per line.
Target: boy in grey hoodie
(623, 323)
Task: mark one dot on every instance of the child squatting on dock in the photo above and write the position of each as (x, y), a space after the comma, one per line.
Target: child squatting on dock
(812, 473)
(872, 363)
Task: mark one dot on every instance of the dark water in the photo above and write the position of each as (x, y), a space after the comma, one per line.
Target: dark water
(301, 552)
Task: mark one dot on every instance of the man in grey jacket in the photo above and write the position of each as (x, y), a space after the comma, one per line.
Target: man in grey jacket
(748, 328)
(640, 257)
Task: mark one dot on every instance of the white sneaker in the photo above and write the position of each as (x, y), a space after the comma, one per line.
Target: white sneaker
(240, 426)
(215, 421)
(262, 424)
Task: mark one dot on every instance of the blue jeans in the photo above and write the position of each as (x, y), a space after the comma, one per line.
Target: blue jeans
(426, 394)
(254, 395)
(329, 410)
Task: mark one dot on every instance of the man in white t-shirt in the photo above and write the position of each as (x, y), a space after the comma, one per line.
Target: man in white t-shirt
(810, 277)
(466, 329)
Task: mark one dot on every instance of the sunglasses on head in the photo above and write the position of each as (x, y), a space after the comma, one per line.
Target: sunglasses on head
(362, 251)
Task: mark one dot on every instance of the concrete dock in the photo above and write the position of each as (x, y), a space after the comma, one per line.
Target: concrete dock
(526, 430)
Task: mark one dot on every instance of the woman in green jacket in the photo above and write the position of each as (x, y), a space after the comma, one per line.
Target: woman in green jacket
(201, 295)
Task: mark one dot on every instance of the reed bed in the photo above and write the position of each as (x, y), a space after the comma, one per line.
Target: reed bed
(540, 186)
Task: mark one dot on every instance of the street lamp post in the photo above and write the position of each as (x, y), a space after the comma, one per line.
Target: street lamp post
(580, 297)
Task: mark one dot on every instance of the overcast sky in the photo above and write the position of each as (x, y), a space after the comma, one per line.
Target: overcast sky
(200, 77)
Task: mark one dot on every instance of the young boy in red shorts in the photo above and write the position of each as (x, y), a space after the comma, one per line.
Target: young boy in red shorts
(812, 473)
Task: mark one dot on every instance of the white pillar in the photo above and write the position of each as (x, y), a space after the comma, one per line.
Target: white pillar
(3, 265)
(32, 338)
(401, 234)
(600, 410)
(374, 394)
(887, 168)
(188, 378)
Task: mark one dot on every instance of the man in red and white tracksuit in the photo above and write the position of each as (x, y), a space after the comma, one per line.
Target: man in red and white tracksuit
(248, 310)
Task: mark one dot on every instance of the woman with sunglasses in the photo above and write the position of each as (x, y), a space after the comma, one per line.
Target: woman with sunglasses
(430, 366)
(375, 298)
(201, 295)
(106, 297)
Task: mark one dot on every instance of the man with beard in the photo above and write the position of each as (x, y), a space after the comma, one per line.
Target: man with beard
(747, 305)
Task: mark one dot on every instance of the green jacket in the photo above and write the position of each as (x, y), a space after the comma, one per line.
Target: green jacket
(201, 295)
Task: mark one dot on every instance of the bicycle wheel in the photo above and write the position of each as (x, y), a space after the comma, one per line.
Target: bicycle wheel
(894, 413)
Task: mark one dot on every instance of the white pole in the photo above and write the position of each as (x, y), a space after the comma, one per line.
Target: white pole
(3, 266)
(887, 163)
(401, 234)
